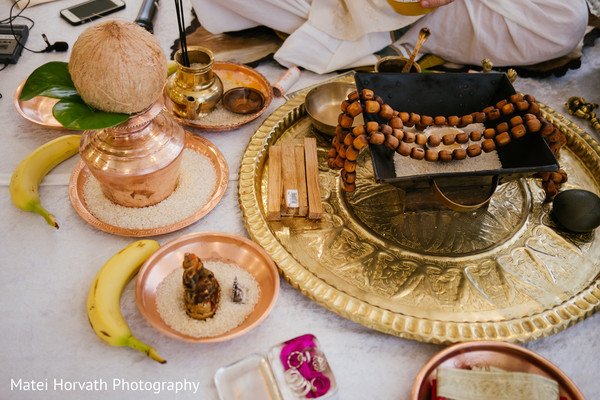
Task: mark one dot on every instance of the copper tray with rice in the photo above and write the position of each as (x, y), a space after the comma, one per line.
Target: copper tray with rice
(452, 94)
(505, 272)
(81, 175)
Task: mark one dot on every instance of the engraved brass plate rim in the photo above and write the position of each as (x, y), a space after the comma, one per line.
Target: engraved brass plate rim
(81, 174)
(526, 326)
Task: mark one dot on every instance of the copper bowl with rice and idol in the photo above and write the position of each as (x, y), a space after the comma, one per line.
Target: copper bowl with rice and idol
(216, 250)
(438, 185)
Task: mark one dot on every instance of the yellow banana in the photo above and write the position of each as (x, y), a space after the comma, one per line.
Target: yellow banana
(31, 170)
(171, 67)
(103, 306)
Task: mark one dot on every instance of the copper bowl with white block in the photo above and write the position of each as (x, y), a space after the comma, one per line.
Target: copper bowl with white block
(489, 355)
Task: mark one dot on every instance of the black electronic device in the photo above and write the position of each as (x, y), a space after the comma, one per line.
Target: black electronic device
(146, 15)
(11, 44)
(91, 10)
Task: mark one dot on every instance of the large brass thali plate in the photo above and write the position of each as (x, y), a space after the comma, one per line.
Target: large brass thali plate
(507, 272)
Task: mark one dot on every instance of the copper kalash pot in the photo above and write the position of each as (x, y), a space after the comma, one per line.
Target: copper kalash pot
(137, 162)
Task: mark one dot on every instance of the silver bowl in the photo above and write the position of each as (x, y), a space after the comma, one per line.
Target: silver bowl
(323, 105)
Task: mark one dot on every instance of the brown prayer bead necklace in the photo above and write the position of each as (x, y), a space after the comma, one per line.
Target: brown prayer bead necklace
(523, 111)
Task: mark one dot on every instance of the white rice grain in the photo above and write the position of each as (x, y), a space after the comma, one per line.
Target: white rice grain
(222, 116)
(197, 182)
(229, 315)
(407, 166)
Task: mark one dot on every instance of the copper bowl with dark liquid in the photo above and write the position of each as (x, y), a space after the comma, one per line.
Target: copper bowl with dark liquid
(243, 100)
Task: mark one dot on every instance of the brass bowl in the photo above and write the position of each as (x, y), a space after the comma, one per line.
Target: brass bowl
(212, 246)
(323, 105)
(243, 100)
(409, 7)
(506, 356)
(395, 64)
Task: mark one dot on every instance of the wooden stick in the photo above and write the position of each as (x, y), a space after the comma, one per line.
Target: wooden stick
(424, 33)
(274, 187)
(315, 208)
(301, 181)
(290, 201)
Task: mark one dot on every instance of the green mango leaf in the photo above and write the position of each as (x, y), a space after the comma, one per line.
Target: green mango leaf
(53, 80)
(78, 115)
(50, 80)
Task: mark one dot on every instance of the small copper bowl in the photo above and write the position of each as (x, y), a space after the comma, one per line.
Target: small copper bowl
(243, 100)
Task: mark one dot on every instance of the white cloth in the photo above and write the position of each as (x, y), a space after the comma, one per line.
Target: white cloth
(328, 35)
(507, 33)
(351, 20)
(233, 15)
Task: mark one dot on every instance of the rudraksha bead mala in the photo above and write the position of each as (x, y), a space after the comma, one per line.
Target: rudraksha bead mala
(520, 115)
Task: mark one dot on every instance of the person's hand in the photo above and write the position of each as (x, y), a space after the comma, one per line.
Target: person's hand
(434, 3)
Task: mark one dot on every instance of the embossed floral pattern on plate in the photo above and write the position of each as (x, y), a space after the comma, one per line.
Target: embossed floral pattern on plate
(507, 272)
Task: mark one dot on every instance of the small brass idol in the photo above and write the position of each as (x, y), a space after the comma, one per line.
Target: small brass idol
(201, 288)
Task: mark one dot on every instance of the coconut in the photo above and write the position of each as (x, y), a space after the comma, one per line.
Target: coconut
(118, 66)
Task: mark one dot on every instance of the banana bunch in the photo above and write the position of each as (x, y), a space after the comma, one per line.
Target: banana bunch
(103, 306)
(29, 173)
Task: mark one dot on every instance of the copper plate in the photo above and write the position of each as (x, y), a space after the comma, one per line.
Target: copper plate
(37, 110)
(81, 173)
(506, 356)
(507, 272)
(232, 75)
(210, 246)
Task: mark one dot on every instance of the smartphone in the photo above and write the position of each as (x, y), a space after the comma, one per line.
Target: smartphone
(91, 10)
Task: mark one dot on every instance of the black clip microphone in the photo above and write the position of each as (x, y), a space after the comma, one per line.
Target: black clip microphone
(57, 46)
(146, 15)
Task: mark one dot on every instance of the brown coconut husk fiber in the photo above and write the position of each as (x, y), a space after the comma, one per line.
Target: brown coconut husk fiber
(118, 66)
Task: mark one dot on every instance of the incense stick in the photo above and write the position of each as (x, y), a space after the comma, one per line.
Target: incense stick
(182, 39)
